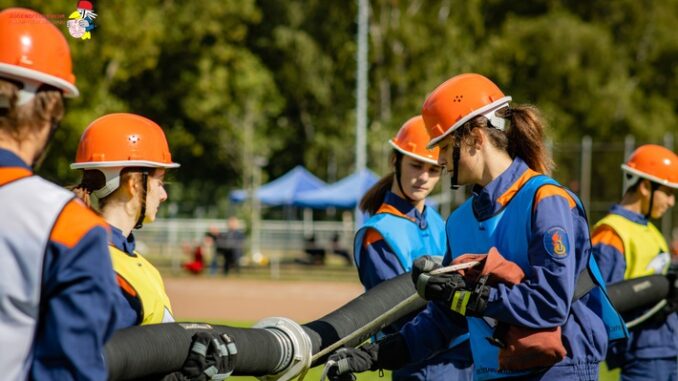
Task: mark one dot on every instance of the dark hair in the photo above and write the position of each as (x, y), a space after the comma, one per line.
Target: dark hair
(524, 137)
(93, 179)
(19, 121)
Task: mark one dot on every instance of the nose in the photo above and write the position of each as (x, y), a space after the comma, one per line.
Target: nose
(163, 194)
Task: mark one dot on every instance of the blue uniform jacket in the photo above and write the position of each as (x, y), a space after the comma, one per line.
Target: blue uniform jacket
(378, 262)
(544, 298)
(78, 293)
(655, 339)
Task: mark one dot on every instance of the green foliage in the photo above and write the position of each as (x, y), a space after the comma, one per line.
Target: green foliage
(276, 79)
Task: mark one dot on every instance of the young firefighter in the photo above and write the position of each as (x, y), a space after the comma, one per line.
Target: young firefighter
(402, 228)
(57, 291)
(627, 245)
(124, 158)
(523, 309)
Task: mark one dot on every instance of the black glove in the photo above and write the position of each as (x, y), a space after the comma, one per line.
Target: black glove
(389, 353)
(211, 357)
(423, 264)
(439, 287)
(345, 361)
(471, 302)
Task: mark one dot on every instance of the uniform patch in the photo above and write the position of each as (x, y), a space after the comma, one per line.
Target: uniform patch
(556, 242)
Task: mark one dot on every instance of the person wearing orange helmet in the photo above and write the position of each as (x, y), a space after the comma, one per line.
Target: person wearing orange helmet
(124, 158)
(534, 306)
(402, 228)
(57, 290)
(627, 245)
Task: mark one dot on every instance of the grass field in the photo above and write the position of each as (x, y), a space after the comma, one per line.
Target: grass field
(315, 373)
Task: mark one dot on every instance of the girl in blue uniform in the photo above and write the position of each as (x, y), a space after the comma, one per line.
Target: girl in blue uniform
(537, 327)
(402, 229)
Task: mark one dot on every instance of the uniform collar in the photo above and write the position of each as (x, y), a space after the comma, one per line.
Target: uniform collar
(400, 207)
(121, 242)
(629, 215)
(10, 159)
(490, 199)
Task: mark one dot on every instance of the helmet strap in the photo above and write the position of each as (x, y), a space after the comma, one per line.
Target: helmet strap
(398, 173)
(653, 188)
(456, 154)
(144, 192)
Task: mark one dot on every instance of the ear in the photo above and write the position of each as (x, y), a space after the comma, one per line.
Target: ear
(478, 137)
(131, 186)
(645, 188)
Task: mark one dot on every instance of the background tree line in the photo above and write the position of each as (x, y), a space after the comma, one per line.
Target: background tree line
(233, 79)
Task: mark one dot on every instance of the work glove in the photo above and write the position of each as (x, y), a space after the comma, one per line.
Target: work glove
(211, 358)
(389, 353)
(434, 287)
(471, 300)
(345, 361)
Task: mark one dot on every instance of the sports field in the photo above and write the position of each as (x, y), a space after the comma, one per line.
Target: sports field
(243, 301)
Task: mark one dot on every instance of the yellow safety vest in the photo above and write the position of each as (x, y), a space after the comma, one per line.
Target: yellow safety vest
(645, 250)
(146, 285)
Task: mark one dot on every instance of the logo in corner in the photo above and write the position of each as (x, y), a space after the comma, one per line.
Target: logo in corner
(81, 21)
(556, 242)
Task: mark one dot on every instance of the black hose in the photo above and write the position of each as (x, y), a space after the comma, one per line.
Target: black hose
(142, 351)
(640, 292)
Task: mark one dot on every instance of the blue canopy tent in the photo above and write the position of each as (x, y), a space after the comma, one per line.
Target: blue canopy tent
(284, 189)
(344, 194)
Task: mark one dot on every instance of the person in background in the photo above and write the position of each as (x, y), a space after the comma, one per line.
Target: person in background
(627, 245)
(57, 291)
(199, 255)
(530, 239)
(337, 249)
(230, 244)
(402, 228)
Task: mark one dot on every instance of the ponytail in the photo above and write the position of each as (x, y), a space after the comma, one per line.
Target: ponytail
(526, 138)
(374, 197)
(92, 180)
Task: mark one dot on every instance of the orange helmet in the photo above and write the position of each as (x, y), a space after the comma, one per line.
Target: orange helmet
(460, 99)
(652, 162)
(117, 141)
(411, 140)
(34, 52)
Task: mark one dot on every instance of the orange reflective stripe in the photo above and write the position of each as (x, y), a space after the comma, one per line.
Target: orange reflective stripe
(371, 236)
(75, 220)
(605, 235)
(126, 287)
(390, 209)
(513, 189)
(551, 190)
(9, 174)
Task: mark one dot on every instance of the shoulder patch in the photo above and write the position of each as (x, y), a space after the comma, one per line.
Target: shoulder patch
(556, 242)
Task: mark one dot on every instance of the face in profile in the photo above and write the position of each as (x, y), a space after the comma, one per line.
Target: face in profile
(664, 199)
(156, 194)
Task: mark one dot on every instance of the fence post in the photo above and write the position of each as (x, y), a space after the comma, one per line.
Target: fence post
(585, 175)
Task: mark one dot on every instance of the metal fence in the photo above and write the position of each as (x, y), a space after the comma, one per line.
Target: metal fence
(584, 167)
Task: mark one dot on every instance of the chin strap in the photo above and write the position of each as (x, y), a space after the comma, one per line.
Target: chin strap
(144, 192)
(456, 153)
(398, 163)
(653, 188)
